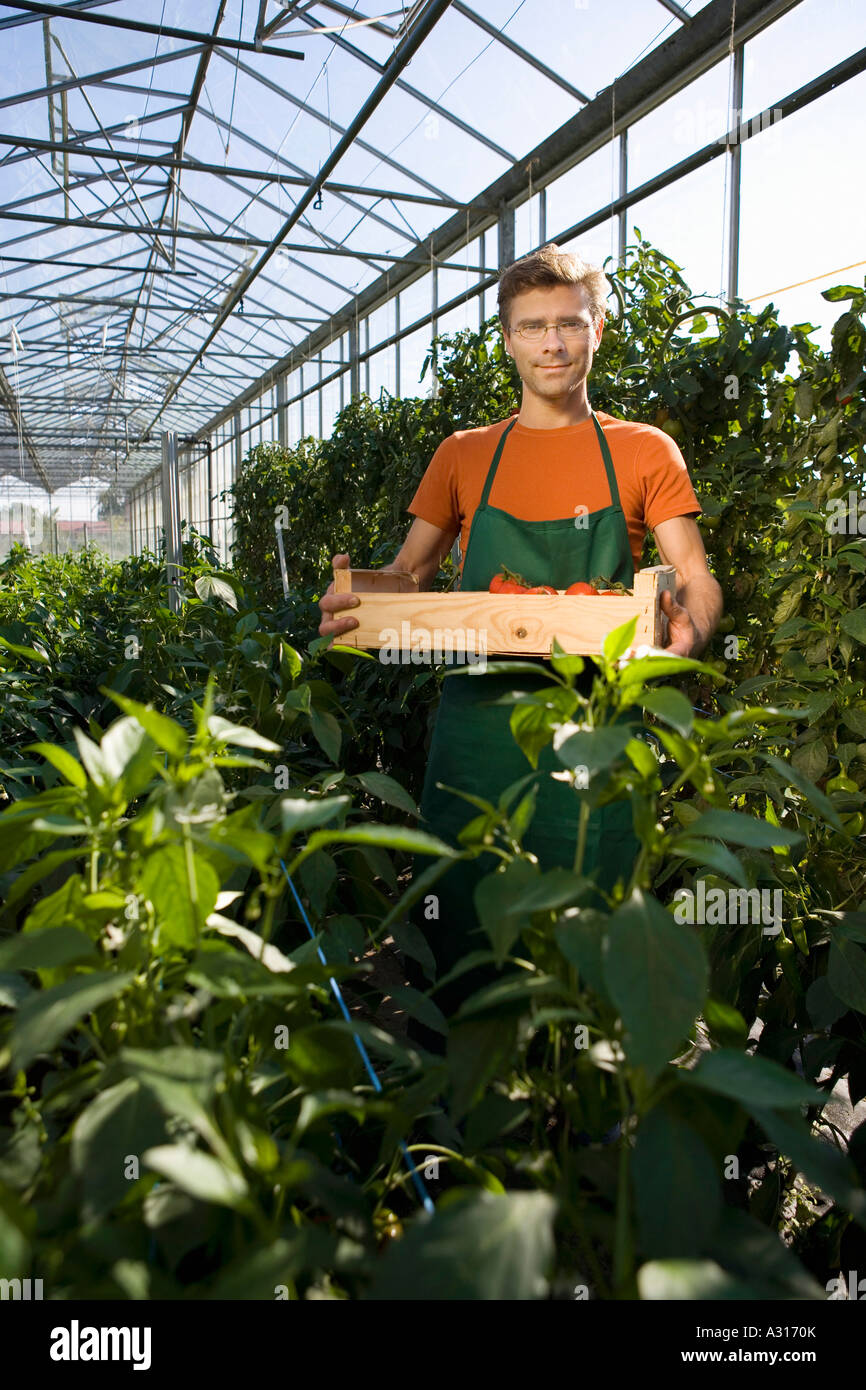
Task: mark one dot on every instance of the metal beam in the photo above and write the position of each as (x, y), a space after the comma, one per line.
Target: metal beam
(19, 19)
(196, 166)
(138, 26)
(431, 13)
(450, 116)
(99, 265)
(331, 124)
(79, 140)
(519, 51)
(100, 78)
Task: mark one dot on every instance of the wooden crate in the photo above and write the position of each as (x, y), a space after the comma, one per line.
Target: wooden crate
(394, 612)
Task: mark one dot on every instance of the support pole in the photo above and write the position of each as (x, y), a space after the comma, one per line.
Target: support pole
(354, 361)
(622, 217)
(735, 156)
(171, 518)
(282, 412)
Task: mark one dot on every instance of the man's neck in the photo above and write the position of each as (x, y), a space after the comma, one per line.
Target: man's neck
(539, 414)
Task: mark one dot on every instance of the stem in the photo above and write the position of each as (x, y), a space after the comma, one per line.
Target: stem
(581, 837)
(190, 866)
(622, 1252)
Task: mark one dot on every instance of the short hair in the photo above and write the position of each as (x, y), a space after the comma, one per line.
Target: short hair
(549, 266)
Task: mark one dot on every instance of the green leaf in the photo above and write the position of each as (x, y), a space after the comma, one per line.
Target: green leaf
(741, 829)
(119, 1124)
(165, 732)
(799, 779)
(854, 623)
(326, 732)
(478, 1050)
(482, 1246)
(181, 907)
(494, 896)
(846, 971)
(48, 1016)
(418, 1005)
(656, 973)
(68, 767)
(391, 836)
(532, 729)
(184, 1081)
(126, 751)
(557, 888)
(580, 938)
(678, 1198)
(210, 586)
(387, 789)
(646, 668)
(619, 640)
(240, 736)
(199, 1175)
(751, 1080)
(708, 854)
(26, 653)
(595, 749)
(45, 949)
(302, 813)
(671, 706)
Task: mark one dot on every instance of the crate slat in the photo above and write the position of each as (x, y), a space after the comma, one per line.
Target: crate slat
(497, 624)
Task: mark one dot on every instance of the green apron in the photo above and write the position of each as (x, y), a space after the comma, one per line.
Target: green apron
(472, 746)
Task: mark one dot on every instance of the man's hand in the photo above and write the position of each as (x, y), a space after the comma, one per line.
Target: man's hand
(683, 637)
(332, 604)
(421, 554)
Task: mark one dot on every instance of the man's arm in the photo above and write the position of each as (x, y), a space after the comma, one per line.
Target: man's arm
(694, 614)
(422, 553)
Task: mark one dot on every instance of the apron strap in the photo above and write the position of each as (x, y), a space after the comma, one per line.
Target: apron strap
(491, 472)
(605, 453)
(608, 463)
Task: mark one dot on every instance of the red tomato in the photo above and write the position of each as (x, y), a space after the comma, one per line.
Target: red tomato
(581, 587)
(507, 582)
(542, 589)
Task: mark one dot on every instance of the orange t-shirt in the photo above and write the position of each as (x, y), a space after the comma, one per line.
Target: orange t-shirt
(546, 475)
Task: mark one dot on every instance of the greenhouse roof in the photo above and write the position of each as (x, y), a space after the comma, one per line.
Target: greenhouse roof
(187, 198)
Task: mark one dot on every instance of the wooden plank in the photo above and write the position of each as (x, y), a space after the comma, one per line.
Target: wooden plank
(349, 581)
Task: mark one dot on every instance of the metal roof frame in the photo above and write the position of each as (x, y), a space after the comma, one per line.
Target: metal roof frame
(204, 306)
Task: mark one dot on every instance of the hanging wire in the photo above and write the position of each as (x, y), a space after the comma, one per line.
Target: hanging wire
(376, 1083)
(234, 86)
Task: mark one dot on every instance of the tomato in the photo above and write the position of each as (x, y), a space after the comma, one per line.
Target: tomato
(507, 582)
(581, 587)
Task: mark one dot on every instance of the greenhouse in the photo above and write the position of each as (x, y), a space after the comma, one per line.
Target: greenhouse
(433, 763)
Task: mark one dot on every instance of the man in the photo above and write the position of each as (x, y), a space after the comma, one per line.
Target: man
(556, 493)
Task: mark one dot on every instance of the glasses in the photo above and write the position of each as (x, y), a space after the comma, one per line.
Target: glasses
(566, 328)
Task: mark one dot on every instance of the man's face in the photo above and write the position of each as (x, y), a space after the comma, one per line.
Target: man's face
(557, 365)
